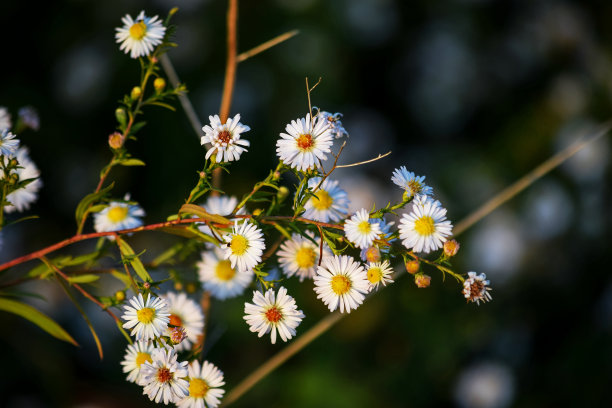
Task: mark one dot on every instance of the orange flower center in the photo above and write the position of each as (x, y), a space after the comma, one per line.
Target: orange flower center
(164, 375)
(175, 320)
(273, 314)
(305, 142)
(224, 136)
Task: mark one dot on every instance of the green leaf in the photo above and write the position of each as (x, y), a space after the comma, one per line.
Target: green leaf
(88, 278)
(123, 277)
(130, 256)
(131, 162)
(38, 318)
(163, 105)
(88, 200)
(29, 217)
(201, 212)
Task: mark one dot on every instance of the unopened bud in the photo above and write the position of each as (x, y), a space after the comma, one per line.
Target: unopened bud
(178, 286)
(191, 287)
(257, 212)
(276, 175)
(146, 285)
(202, 174)
(136, 92)
(282, 192)
(13, 163)
(451, 247)
(177, 334)
(407, 195)
(154, 60)
(14, 178)
(120, 295)
(372, 254)
(121, 116)
(412, 266)
(422, 280)
(159, 84)
(115, 140)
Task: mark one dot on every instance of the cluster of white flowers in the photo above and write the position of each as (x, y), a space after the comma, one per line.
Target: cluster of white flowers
(152, 361)
(166, 325)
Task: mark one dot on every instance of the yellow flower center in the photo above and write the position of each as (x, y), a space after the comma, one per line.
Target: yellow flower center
(273, 314)
(145, 315)
(141, 357)
(374, 275)
(304, 142)
(305, 257)
(138, 30)
(340, 284)
(198, 388)
(414, 187)
(424, 226)
(117, 214)
(364, 227)
(239, 245)
(322, 200)
(224, 270)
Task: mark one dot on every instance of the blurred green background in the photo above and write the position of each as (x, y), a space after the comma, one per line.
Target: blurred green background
(471, 93)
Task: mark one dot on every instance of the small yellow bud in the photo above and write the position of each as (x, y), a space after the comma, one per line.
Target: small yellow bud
(120, 296)
(413, 266)
(282, 192)
(451, 247)
(178, 286)
(422, 280)
(159, 84)
(136, 92)
(121, 116)
(115, 140)
(257, 212)
(191, 287)
(372, 254)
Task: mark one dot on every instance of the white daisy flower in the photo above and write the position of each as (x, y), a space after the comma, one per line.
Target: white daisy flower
(22, 198)
(335, 124)
(147, 319)
(425, 229)
(225, 138)
(385, 234)
(410, 182)
(341, 281)
(164, 378)
(8, 143)
(204, 386)
(329, 204)
(360, 230)
(300, 256)
(270, 313)
(476, 288)
(245, 244)
(140, 36)
(305, 141)
(379, 272)
(136, 355)
(220, 278)
(5, 119)
(118, 216)
(187, 314)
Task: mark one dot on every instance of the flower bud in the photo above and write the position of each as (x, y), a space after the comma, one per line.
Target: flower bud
(146, 285)
(14, 178)
(191, 287)
(257, 212)
(178, 286)
(451, 247)
(407, 195)
(177, 334)
(372, 254)
(115, 140)
(422, 280)
(282, 193)
(202, 174)
(13, 163)
(276, 175)
(120, 295)
(412, 266)
(121, 116)
(159, 84)
(136, 92)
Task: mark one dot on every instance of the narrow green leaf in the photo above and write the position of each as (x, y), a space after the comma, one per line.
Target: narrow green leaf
(163, 105)
(131, 162)
(201, 212)
(83, 278)
(129, 254)
(122, 277)
(38, 318)
(29, 217)
(88, 200)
